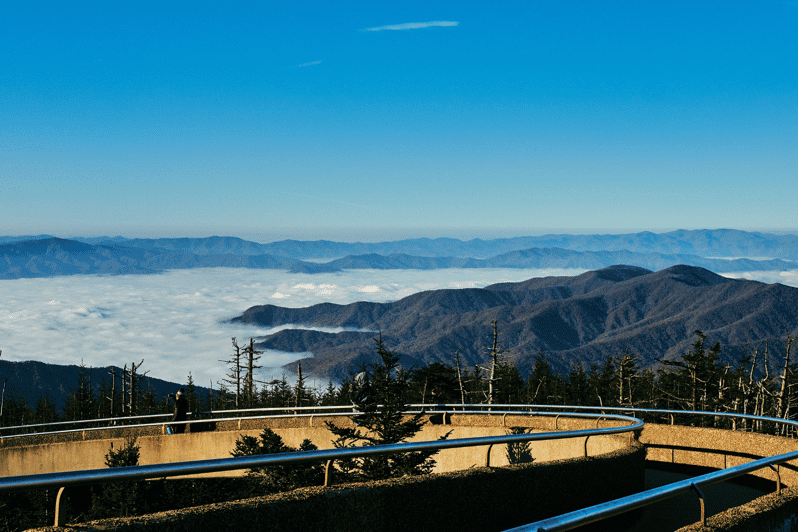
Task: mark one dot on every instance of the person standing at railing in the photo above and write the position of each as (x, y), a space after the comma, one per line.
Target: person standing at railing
(181, 411)
(361, 389)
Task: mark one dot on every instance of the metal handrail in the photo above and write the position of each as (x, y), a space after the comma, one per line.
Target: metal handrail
(71, 478)
(302, 411)
(123, 419)
(577, 518)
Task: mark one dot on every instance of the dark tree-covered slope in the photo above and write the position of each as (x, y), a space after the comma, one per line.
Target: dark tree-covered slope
(586, 317)
(31, 380)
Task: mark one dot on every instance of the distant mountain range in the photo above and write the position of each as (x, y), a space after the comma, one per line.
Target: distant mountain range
(703, 243)
(587, 317)
(47, 256)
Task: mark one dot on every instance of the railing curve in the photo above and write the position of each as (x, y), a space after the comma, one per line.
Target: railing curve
(94, 476)
(598, 512)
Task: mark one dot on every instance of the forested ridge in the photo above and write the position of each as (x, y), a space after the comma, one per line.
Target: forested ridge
(583, 318)
(763, 381)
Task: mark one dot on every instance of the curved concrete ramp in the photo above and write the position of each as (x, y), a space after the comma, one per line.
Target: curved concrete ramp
(83, 450)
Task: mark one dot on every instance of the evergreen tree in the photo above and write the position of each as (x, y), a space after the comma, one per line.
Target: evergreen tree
(81, 403)
(46, 411)
(235, 377)
(331, 395)
(191, 394)
(436, 383)
(16, 411)
(382, 421)
(119, 499)
(250, 392)
(281, 393)
(519, 452)
(541, 385)
(578, 389)
(278, 477)
(601, 383)
(148, 403)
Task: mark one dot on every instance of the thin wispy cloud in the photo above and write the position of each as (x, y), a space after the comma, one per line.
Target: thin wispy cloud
(303, 65)
(414, 25)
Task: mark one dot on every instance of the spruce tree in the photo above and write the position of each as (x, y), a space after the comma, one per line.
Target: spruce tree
(119, 499)
(278, 477)
(191, 394)
(81, 403)
(382, 421)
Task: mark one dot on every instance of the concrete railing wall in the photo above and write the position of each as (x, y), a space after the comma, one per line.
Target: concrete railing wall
(718, 449)
(666, 443)
(478, 499)
(87, 449)
(774, 512)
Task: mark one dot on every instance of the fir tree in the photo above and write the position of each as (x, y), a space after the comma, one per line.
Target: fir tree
(81, 403)
(278, 477)
(191, 394)
(382, 421)
(119, 499)
(46, 411)
(331, 395)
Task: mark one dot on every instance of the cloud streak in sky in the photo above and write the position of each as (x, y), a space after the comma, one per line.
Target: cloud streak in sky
(303, 65)
(414, 25)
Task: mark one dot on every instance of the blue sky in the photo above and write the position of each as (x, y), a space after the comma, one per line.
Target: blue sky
(363, 121)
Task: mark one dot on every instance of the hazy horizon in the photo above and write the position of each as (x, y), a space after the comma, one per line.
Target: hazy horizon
(385, 236)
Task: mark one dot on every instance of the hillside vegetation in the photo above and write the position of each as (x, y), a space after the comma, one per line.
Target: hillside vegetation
(584, 318)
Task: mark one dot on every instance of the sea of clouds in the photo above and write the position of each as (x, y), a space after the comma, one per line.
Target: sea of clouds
(175, 321)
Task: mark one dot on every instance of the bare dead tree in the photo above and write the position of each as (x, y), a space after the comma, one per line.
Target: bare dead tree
(498, 356)
(236, 368)
(299, 389)
(124, 389)
(253, 356)
(112, 397)
(134, 385)
(783, 400)
(627, 368)
(459, 375)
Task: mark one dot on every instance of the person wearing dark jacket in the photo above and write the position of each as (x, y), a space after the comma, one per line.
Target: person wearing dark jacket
(181, 411)
(361, 390)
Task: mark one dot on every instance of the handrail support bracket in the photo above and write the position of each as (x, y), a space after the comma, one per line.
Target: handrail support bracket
(701, 502)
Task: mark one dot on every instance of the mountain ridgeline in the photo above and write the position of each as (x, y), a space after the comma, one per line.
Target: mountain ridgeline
(47, 256)
(582, 318)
